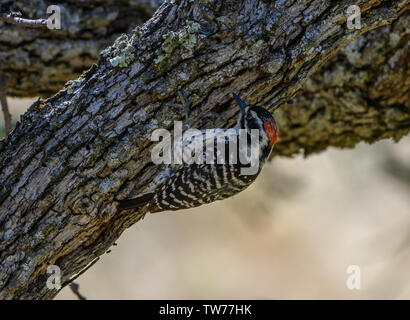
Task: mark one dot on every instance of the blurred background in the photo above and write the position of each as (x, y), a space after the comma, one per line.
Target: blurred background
(291, 235)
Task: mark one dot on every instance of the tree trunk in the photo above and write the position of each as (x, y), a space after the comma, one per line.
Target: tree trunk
(26, 60)
(73, 154)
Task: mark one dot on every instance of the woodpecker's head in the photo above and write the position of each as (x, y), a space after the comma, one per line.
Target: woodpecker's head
(253, 117)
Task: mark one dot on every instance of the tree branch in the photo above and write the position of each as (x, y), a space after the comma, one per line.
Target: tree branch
(77, 152)
(75, 288)
(39, 63)
(15, 19)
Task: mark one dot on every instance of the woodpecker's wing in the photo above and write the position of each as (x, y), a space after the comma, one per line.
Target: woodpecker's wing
(196, 185)
(180, 186)
(206, 146)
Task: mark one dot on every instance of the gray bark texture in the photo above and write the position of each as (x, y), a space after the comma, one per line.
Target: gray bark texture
(39, 62)
(72, 155)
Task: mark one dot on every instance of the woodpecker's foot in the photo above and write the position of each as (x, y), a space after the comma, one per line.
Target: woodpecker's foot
(185, 104)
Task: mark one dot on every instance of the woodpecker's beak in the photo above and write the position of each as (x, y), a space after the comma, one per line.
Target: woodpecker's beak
(241, 103)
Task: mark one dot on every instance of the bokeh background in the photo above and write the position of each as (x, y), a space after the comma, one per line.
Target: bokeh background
(291, 235)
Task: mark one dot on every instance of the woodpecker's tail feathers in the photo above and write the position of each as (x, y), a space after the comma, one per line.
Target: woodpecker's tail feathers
(136, 202)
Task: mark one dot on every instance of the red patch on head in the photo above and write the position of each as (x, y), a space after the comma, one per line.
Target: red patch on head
(271, 131)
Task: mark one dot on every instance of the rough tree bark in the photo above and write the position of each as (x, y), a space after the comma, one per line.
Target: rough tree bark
(73, 154)
(39, 62)
(360, 94)
(26, 57)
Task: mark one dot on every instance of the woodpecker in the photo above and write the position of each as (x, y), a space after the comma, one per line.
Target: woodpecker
(187, 186)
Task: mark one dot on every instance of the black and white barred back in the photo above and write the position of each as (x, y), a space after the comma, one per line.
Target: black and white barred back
(188, 186)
